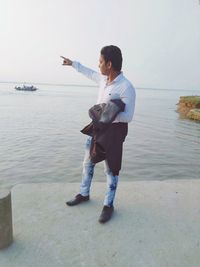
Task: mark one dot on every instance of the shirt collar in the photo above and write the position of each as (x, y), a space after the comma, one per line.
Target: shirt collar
(118, 78)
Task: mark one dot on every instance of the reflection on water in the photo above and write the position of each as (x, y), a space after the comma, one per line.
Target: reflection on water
(41, 140)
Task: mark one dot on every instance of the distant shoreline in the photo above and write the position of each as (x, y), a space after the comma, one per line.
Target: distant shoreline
(87, 85)
(49, 84)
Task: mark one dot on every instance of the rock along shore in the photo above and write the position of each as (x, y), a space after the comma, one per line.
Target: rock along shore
(189, 106)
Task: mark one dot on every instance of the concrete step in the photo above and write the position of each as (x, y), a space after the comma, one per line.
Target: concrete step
(155, 224)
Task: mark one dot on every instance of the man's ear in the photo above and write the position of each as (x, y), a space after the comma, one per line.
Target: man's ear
(109, 64)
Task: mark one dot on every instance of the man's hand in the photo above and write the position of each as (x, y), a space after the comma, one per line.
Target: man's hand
(66, 61)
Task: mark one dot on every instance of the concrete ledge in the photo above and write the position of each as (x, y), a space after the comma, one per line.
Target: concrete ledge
(6, 233)
(156, 223)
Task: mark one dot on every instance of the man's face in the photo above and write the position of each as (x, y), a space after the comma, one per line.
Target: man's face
(103, 66)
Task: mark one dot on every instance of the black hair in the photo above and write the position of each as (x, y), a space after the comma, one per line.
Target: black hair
(113, 54)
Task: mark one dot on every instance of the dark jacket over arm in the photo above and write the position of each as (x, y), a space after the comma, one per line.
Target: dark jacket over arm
(107, 137)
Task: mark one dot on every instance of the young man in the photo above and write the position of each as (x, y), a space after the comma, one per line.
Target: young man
(112, 85)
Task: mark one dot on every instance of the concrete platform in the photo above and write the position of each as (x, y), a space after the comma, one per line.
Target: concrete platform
(156, 224)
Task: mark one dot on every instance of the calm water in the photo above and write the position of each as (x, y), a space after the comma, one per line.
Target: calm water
(40, 139)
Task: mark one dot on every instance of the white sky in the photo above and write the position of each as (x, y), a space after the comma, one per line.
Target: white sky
(159, 39)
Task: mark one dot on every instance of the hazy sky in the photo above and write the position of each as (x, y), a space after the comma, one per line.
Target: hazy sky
(159, 39)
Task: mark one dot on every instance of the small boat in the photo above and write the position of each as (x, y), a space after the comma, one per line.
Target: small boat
(26, 88)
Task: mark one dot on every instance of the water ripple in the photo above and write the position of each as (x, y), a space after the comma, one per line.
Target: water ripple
(41, 140)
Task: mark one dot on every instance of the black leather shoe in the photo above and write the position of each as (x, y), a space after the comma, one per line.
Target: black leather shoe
(77, 200)
(106, 214)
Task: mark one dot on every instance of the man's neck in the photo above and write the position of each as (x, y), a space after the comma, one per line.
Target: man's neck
(112, 75)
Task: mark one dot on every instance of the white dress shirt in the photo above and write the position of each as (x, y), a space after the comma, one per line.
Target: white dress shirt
(119, 88)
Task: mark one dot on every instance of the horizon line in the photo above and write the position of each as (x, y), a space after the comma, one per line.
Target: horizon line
(86, 85)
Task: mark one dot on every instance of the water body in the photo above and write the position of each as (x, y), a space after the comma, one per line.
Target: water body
(40, 139)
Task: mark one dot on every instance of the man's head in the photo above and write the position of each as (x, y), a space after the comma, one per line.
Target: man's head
(110, 59)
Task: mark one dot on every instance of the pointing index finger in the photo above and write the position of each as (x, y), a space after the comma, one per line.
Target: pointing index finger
(63, 57)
